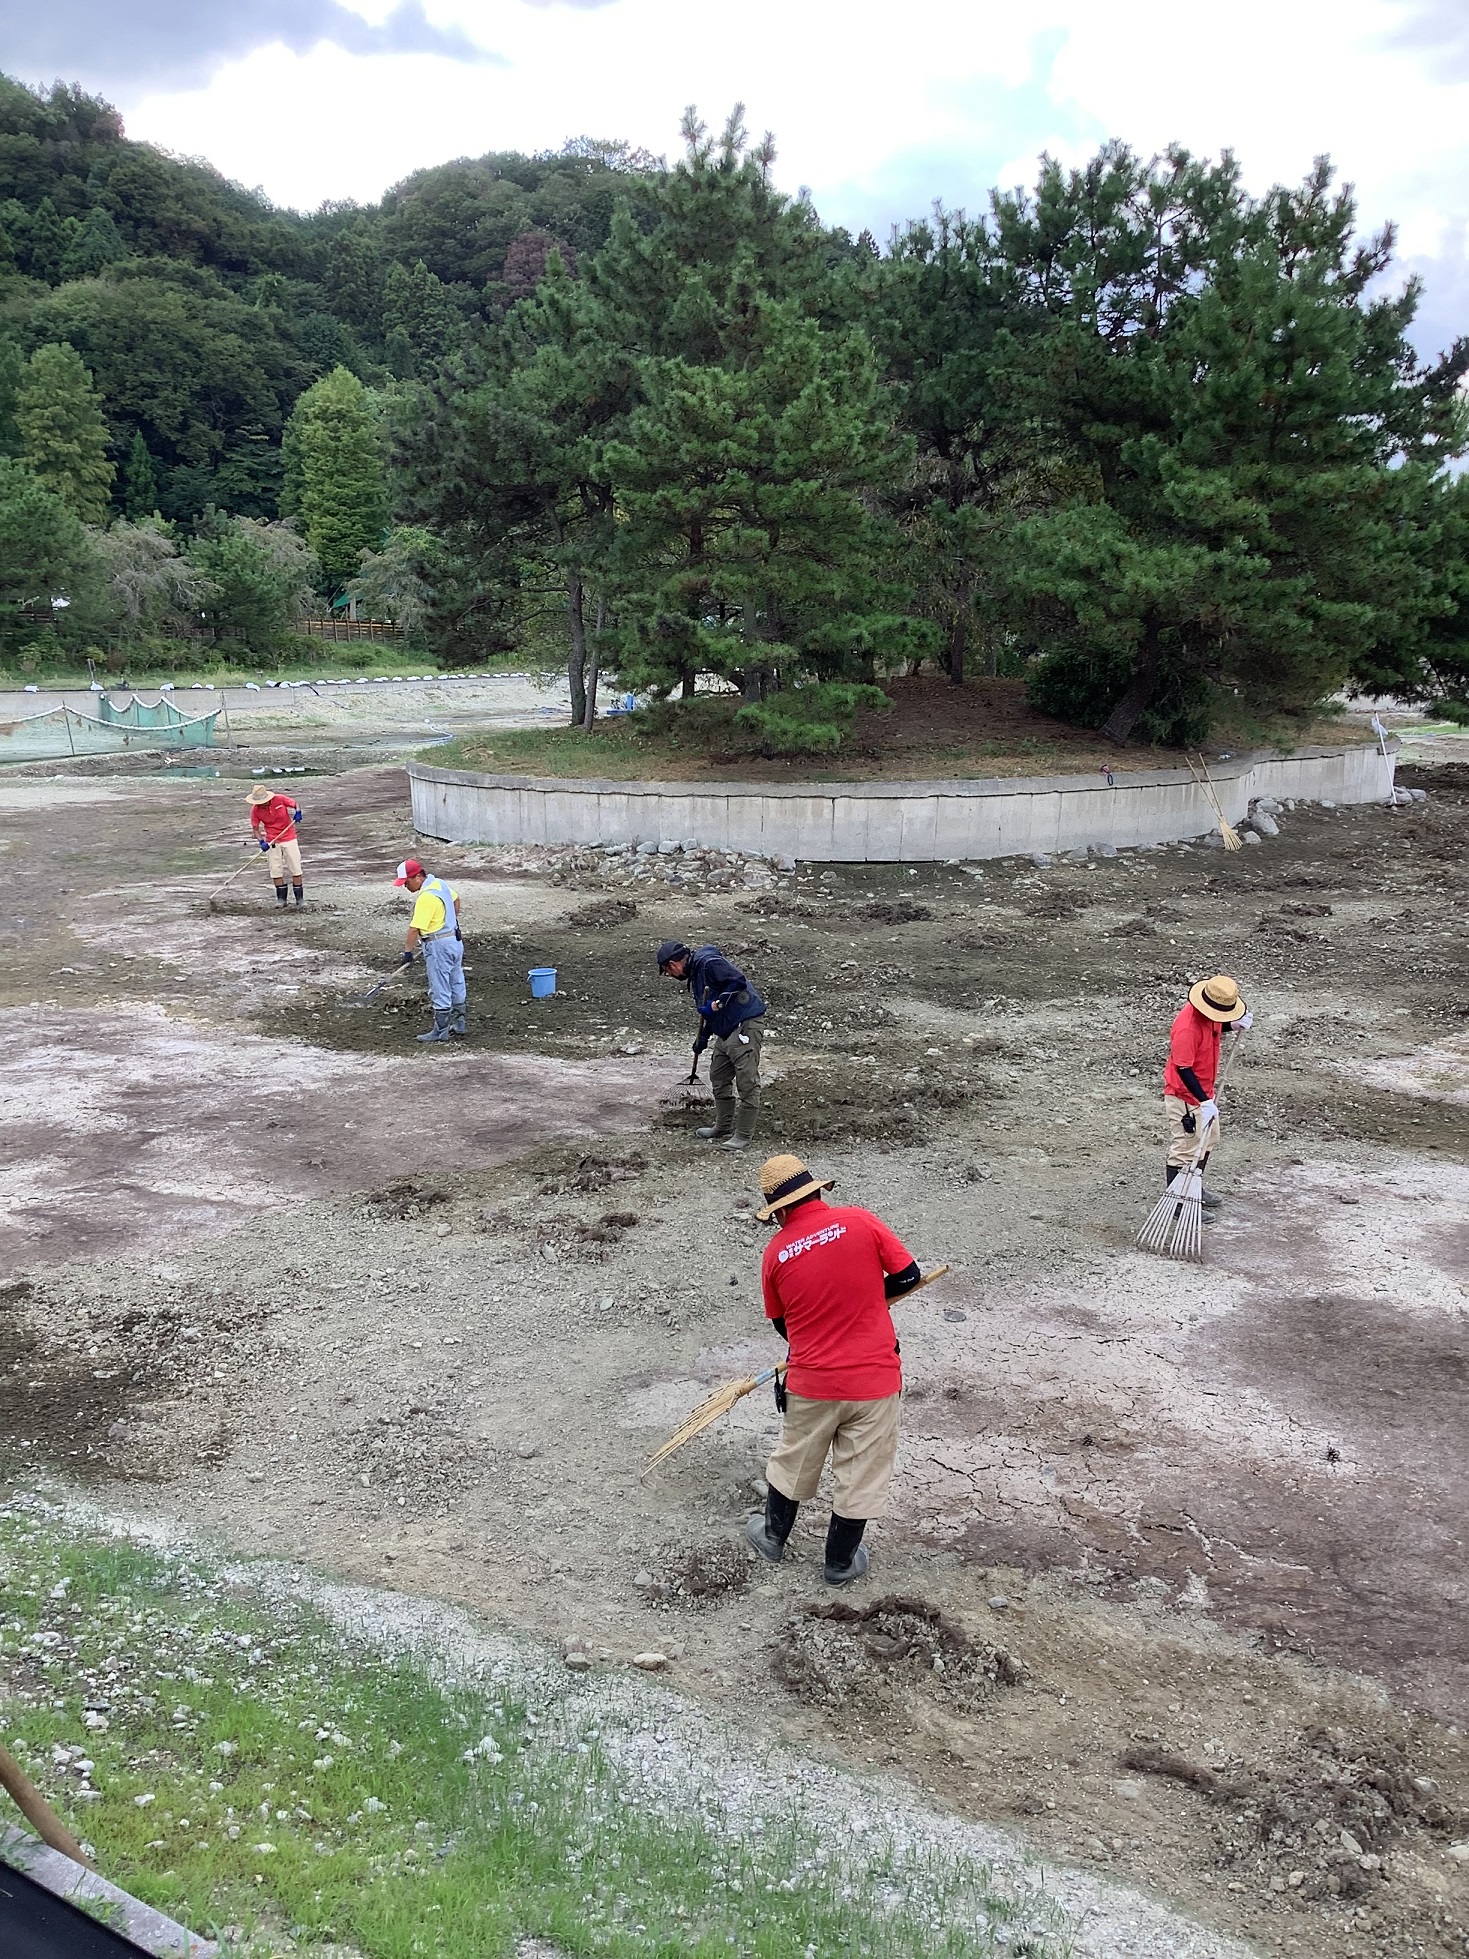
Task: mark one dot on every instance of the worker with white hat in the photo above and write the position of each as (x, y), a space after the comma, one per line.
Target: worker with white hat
(435, 927)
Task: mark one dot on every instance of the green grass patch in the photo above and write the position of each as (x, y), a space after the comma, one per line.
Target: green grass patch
(246, 1766)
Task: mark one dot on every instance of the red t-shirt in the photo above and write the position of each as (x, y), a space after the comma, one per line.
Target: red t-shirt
(823, 1275)
(276, 818)
(1194, 1043)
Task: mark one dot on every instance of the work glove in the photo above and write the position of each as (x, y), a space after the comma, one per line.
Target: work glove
(407, 959)
(263, 844)
(296, 816)
(1208, 1112)
(1245, 1022)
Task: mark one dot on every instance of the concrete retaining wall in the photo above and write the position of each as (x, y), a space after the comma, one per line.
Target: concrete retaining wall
(891, 822)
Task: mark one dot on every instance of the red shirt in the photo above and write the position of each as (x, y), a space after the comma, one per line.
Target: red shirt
(276, 818)
(823, 1275)
(1194, 1043)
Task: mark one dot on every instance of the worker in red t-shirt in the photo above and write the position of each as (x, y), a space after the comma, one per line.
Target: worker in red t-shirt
(827, 1276)
(274, 818)
(1193, 1069)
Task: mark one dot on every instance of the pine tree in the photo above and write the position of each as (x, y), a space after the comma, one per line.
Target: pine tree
(747, 543)
(62, 431)
(420, 318)
(12, 369)
(45, 242)
(139, 480)
(98, 244)
(341, 489)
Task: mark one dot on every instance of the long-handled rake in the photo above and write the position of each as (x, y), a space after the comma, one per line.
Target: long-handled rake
(209, 901)
(1175, 1225)
(1231, 836)
(372, 992)
(723, 1399)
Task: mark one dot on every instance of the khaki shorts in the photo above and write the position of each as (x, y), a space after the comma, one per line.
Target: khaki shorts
(283, 858)
(1183, 1142)
(862, 1440)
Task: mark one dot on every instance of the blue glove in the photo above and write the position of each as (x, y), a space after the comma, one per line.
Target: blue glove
(296, 816)
(263, 844)
(407, 959)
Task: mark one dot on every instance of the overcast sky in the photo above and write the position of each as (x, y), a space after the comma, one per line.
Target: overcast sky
(878, 108)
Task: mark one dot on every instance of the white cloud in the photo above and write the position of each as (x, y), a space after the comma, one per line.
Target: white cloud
(879, 109)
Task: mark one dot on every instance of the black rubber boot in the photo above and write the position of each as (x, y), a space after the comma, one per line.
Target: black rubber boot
(767, 1535)
(846, 1554)
(298, 893)
(460, 1023)
(1170, 1171)
(440, 1029)
(282, 896)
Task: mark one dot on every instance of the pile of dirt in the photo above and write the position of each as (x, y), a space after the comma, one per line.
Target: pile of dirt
(694, 1577)
(404, 1199)
(602, 913)
(595, 1173)
(900, 912)
(420, 1454)
(888, 1654)
(1322, 1822)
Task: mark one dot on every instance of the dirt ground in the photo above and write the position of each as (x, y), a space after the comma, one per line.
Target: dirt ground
(1175, 1580)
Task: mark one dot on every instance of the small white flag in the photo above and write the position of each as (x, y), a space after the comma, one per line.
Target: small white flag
(1378, 729)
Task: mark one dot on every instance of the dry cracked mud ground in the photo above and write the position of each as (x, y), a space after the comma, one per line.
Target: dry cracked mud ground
(1175, 1581)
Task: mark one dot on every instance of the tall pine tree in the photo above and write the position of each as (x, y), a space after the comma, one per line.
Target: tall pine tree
(339, 483)
(62, 432)
(139, 480)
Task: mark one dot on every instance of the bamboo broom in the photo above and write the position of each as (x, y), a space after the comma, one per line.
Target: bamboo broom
(723, 1399)
(1175, 1225)
(1227, 830)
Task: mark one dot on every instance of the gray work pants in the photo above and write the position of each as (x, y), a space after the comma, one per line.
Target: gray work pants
(734, 1076)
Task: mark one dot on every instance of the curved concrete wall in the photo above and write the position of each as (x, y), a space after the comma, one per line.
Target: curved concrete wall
(894, 822)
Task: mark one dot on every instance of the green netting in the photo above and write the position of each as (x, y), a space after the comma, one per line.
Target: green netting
(62, 731)
(130, 712)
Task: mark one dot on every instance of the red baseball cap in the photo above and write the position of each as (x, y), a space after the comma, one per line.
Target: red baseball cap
(410, 867)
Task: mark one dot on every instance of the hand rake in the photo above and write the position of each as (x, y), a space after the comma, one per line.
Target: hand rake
(1175, 1225)
(723, 1399)
(1227, 830)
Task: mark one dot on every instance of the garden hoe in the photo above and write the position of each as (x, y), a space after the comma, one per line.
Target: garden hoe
(723, 1399)
(1175, 1225)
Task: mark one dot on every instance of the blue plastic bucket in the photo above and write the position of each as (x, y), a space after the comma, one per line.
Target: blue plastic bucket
(542, 982)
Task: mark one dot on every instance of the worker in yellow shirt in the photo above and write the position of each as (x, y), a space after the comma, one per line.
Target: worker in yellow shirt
(435, 927)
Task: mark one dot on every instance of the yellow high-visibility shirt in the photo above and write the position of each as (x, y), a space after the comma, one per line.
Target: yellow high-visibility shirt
(429, 909)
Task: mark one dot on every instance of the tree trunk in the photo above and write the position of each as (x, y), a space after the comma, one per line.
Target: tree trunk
(594, 668)
(576, 666)
(958, 642)
(686, 683)
(752, 680)
(1124, 717)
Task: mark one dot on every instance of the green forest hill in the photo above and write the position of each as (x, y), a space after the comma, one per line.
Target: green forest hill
(1148, 441)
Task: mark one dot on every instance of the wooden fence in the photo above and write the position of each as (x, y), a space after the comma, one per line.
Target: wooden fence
(348, 629)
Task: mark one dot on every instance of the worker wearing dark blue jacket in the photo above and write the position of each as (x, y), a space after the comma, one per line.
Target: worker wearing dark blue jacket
(732, 1027)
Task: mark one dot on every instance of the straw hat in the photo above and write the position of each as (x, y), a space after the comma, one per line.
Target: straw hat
(786, 1180)
(1217, 998)
(260, 794)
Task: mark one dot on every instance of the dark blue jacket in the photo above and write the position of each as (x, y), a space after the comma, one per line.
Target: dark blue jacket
(722, 994)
